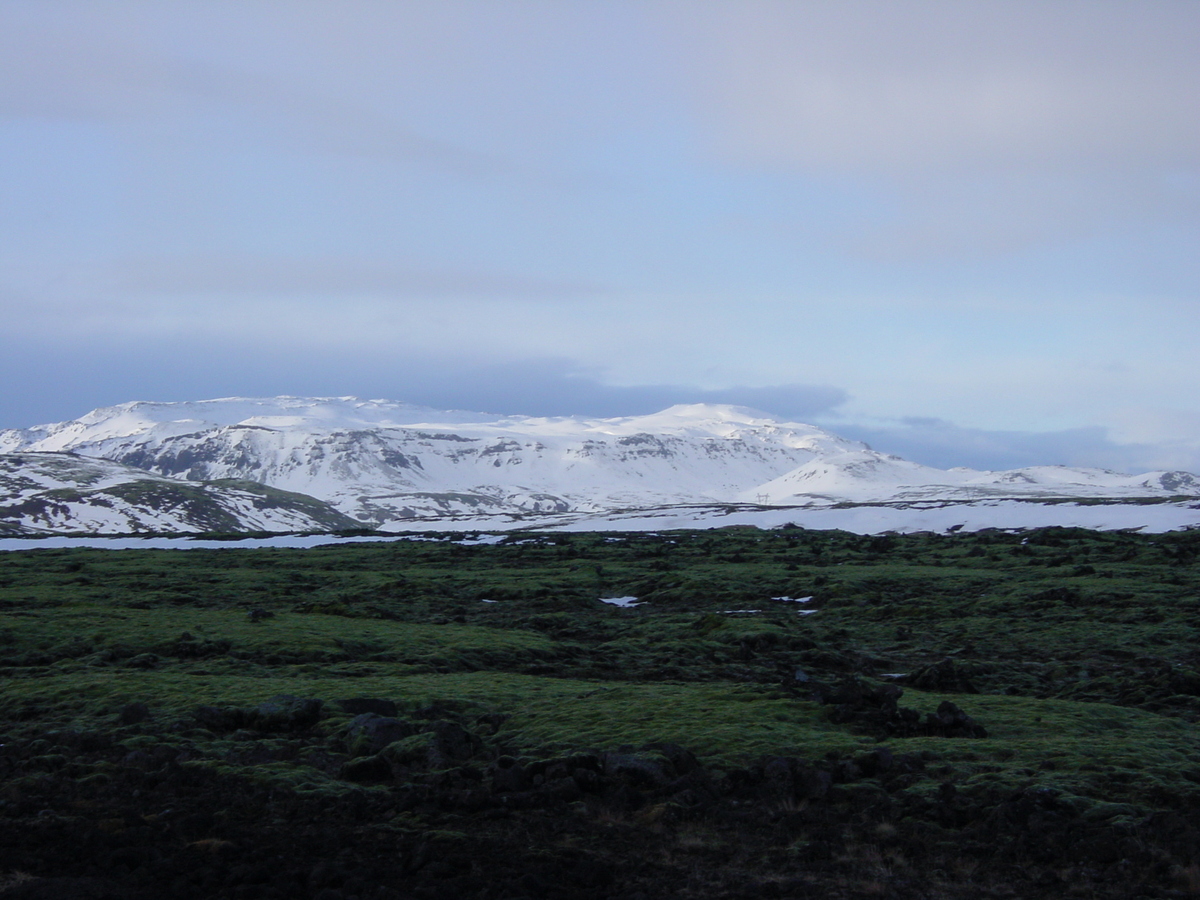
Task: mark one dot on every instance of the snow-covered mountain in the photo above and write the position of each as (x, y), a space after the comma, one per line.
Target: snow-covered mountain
(61, 492)
(381, 462)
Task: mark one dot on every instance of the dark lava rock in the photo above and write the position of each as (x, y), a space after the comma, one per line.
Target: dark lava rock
(440, 745)
(367, 770)
(875, 709)
(369, 733)
(872, 708)
(878, 761)
(942, 676)
(950, 721)
(812, 783)
(285, 712)
(637, 769)
(356, 706)
(138, 759)
(221, 718)
(778, 776)
(681, 759)
(282, 712)
(508, 775)
(451, 744)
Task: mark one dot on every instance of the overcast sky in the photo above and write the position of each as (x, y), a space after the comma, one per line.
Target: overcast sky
(967, 232)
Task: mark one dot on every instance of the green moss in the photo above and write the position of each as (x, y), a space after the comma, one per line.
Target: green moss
(1086, 677)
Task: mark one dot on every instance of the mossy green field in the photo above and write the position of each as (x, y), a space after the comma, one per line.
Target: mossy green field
(1034, 620)
(1076, 651)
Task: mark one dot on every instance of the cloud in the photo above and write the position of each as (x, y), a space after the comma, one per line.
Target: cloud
(309, 275)
(183, 368)
(989, 126)
(932, 84)
(1005, 211)
(54, 388)
(296, 198)
(94, 69)
(942, 444)
(556, 387)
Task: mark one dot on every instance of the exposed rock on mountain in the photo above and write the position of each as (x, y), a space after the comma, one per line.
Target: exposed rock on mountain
(379, 462)
(62, 492)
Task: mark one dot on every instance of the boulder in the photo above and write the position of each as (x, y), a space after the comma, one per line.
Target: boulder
(356, 706)
(285, 712)
(950, 721)
(941, 676)
(636, 769)
(451, 744)
(367, 770)
(508, 775)
(368, 733)
(444, 746)
(221, 718)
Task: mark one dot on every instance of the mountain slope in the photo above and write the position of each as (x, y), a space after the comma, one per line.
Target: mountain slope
(63, 492)
(378, 461)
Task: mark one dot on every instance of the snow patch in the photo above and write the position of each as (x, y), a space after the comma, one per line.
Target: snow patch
(624, 602)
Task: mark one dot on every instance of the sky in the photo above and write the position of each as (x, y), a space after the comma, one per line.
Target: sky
(965, 232)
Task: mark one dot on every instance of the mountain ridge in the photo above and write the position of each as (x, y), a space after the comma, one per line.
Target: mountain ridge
(58, 492)
(380, 463)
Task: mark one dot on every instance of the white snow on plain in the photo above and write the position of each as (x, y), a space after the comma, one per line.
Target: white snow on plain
(624, 602)
(1010, 515)
(902, 519)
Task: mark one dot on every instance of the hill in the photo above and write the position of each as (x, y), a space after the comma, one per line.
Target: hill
(385, 464)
